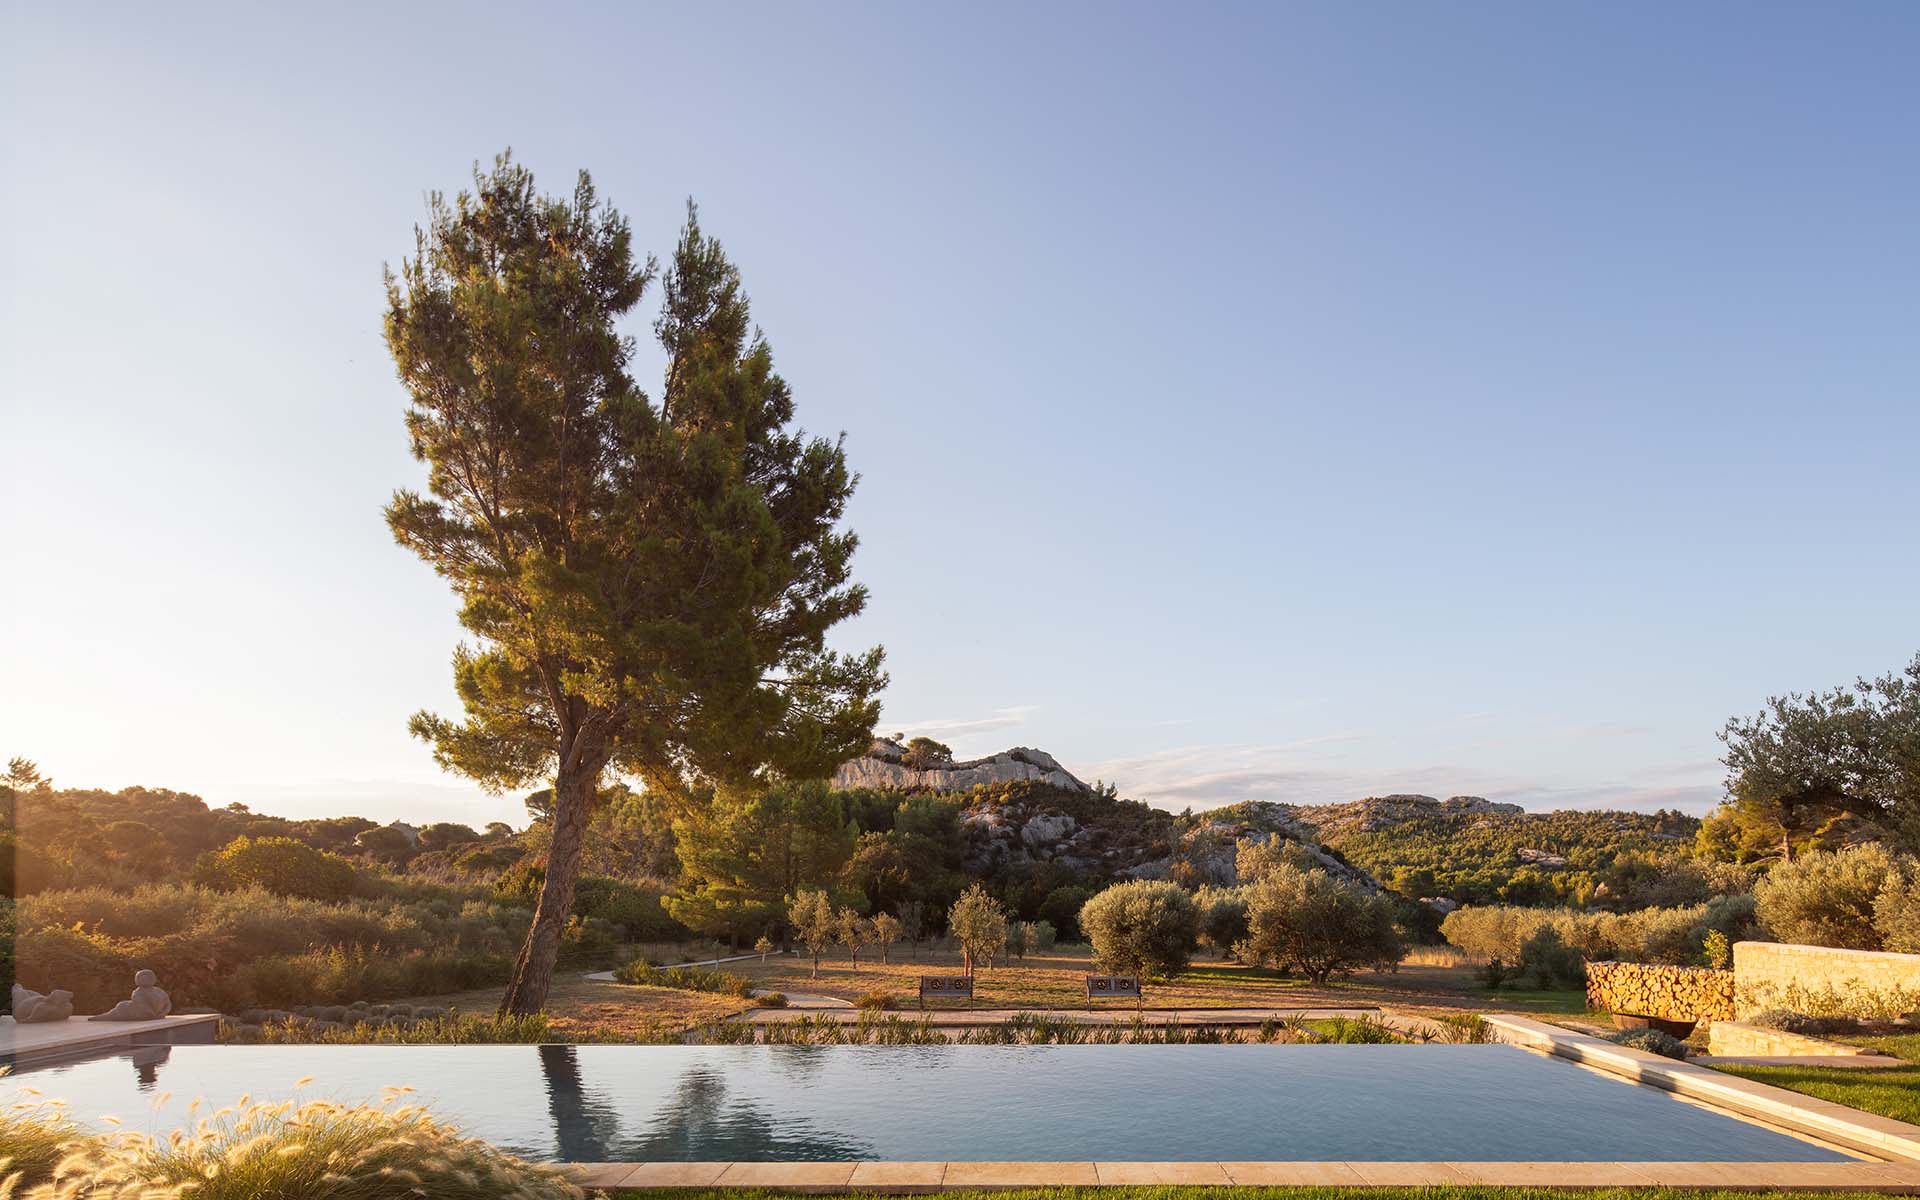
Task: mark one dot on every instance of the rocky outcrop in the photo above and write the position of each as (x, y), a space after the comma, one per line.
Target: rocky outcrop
(883, 768)
(1208, 853)
(1383, 812)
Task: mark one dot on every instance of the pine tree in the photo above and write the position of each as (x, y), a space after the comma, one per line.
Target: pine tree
(649, 580)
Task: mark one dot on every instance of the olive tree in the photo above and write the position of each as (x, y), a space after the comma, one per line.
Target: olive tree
(1315, 923)
(979, 924)
(1828, 898)
(886, 931)
(1143, 927)
(814, 922)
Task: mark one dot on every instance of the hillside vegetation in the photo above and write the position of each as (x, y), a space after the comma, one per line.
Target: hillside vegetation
(238, 909)
(1472, 851)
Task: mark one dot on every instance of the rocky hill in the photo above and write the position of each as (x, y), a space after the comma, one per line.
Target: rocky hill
(1376, 813)
(888, 766)
(1025, 813)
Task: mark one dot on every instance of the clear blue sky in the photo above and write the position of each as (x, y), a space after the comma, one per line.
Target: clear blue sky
(1284, 401)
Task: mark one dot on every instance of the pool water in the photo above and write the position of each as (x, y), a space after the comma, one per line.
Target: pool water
(960, 1103)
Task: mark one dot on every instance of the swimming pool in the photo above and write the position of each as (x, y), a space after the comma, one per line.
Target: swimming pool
(959, 1103)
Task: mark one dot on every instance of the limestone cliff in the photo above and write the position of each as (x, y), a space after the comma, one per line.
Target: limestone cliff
(884, 767)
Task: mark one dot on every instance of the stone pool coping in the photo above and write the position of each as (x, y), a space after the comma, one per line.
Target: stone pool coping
(1893, 1178)
(38, 1043)
(1881, 1136)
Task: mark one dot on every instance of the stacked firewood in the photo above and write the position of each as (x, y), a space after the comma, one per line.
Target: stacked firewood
(1652, 990)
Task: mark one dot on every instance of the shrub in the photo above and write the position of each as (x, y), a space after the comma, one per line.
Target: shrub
(770, 1000)
(520, 883)
(1651, 1040)
(233, 950)
(1673, 936)
(1826, 898)
(877, 1002)
(1494, 973)
(692, 979)
(1142, 927)
(1041, 937)
(635, 909)
(1716, 951)
(443, 1029)
(1550, 961)
(442, 834)
(1348, 1031)
(1319, 924)
(488, 857)
(1223, 917)
(1788, 1021)
(1896, 914)
(1462, 1028)
(280, 865)
(1496, 931)
(310, 1152)
(1062, 907)
(385, 843)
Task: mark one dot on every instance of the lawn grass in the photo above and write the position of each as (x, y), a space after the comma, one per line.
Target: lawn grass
(1896, 1045)
(1557, 1002)
(1890, 1091)
(1283, 1193)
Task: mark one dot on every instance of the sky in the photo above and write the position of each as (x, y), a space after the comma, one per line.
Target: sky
(1294, 402)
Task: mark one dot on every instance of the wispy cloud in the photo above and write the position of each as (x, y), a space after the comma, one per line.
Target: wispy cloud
(955, 727)
(1307, 772)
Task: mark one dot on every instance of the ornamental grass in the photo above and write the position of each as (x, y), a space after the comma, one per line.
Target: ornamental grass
(290, 1150)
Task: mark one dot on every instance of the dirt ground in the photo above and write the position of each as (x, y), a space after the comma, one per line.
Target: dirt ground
(592, 1010)
(1054, 980)
(589, 1009)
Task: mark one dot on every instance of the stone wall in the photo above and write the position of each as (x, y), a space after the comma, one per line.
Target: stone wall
(1824, 982)
(1669, 993)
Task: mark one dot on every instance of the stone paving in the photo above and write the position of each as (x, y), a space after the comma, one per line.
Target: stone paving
(1895, 1178)
(1191, 1018)
(23, 1045)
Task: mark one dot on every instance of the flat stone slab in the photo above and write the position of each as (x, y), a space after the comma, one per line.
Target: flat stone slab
(1189, 1018)
(1845, 1062)
(919, 1177)
(41, 1041)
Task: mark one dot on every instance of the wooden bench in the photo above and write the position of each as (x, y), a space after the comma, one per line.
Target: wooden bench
(1114, 987)
(945, 987)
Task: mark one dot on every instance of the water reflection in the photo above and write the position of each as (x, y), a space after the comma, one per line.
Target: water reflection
(583, 1126)
(146, 1065)
(702, 1124)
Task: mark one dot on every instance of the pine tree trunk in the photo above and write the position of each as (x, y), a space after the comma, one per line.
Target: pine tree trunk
(533, 970)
